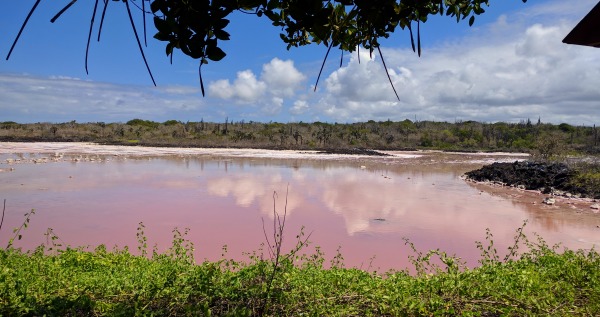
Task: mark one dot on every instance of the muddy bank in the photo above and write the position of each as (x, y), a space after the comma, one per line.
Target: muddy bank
(549, 178)
(353, 151)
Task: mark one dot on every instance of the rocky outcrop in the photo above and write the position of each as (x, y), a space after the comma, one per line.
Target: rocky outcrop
(530, 175)
(545, 177)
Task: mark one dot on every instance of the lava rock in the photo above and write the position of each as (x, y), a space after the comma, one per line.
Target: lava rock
(353, 151)
(531, 175)
(549, 178)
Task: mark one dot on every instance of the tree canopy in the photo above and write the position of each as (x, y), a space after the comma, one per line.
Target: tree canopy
(196, 27)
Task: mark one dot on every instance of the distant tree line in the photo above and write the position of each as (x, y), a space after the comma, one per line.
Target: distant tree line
(542, 139)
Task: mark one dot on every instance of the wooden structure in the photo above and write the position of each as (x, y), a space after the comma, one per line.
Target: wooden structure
(587, 31)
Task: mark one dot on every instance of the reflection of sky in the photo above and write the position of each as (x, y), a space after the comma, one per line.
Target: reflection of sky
(366, 210)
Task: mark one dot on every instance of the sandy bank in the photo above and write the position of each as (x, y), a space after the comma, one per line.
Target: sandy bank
(56, 149)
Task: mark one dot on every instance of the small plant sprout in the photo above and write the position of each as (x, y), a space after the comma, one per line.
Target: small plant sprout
(17, 231)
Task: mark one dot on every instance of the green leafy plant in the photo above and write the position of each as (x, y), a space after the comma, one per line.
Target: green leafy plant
(533, 279)
(17, 231)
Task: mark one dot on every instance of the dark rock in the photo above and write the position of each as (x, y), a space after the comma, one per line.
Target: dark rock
(354, 151)
(545, 177)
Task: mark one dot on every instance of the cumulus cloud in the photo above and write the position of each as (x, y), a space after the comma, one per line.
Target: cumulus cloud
(282, 77)
(300, 107)
(487, 77)
(511, 69)
(278, 80)
(246, 88)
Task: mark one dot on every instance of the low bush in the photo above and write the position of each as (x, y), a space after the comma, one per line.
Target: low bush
(53, 280)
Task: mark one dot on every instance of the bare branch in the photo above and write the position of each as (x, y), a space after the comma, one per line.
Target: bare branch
(271, 255)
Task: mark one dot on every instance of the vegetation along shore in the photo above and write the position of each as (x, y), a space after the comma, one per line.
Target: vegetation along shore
(543, 139)
(530, 278)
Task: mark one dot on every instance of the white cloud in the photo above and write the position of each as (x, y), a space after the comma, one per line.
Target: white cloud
(245, 89)
(300, 107)
(512, 69)
(487, 77)
(282, 77)
(278, 80)
(32, 99)
(273, 107)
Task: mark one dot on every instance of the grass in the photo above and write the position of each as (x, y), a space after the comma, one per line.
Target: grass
(587, 177)
(533, 279)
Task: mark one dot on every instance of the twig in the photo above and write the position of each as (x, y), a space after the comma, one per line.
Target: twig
(275, 249)
(270, 248)
(87, 48)
(199, 74)
(144, 22)
(140, 8)
(387, 73)
(51, 237)
(515, 246)
(102, 18)
(137, 38)
(22, 27)
(62, 11)
(323, 65)
(419, 36)
(412, 39)
(3, 210)
(17, 231)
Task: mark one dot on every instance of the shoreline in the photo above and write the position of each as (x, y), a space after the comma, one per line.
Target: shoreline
(580, 205)
(141, 150)
(90, 151)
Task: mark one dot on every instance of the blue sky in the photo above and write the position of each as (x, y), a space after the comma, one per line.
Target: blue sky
(510, 66)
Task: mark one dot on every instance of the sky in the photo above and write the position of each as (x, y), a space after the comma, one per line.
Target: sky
(511, 65)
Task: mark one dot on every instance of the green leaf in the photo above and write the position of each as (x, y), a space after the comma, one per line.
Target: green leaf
(221, 24)
(161, 25)
(472, 20)
(162, 36)
(214, 53)
(156, 5)
(272, 5)
(169, 49)
(272, 15)
(221, 35)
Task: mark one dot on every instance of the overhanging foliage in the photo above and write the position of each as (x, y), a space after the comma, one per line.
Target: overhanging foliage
(196, 27)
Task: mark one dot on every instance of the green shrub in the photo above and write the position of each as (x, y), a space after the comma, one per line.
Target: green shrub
(539, 281)
(143, 123)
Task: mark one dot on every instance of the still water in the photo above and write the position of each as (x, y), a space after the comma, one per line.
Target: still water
(363, 206)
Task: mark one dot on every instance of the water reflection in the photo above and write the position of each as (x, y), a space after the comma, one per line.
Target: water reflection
(366, 207)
